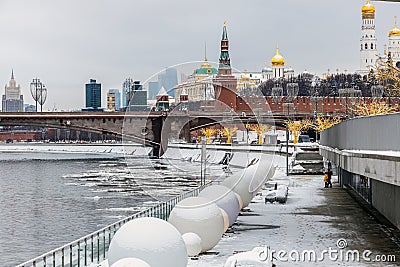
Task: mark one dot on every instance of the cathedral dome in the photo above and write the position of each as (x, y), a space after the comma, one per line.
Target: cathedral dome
(395, 31)
(277, 60)
(368, 8)
(206, 69)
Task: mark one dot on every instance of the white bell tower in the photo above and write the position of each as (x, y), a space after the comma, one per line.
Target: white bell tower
(368, 50)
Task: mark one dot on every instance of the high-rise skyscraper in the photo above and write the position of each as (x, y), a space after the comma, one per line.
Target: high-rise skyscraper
(12, 100)
(171, 80)
(93, 94)
(113, 99)
(153, 89)
(168, 80)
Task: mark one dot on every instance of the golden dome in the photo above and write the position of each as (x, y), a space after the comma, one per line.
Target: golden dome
(205, 65)
(278, 60)
(368, 8)
(395, 31)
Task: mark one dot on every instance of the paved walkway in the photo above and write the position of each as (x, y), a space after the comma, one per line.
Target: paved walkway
(314, 218)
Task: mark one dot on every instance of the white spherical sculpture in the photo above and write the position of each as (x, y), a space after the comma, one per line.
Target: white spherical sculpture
(250, 180)
(193, 244)
(130, 262)
(152, 240)
(200, 216)
(226, 219)
(225, 198)
(239, 198)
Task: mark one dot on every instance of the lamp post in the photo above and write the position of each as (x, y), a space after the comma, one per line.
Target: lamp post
(315, 98)
(277, 95)
(292, 90)
(349, 92)
(39, 93)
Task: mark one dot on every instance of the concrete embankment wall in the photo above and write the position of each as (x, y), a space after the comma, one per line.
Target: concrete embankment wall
(238, 156)
(386, 199)
(368, 150)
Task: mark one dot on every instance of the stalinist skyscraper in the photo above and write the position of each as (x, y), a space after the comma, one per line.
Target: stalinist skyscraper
(12, 100)
(368, 50)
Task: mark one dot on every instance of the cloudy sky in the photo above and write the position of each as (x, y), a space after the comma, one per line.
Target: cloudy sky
(67, 42)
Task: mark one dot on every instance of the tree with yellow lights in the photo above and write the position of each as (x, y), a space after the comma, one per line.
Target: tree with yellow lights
(323, 123)
(296, 127)
(228, 132)
(388, 75)
(260, 129)
(208, 132)
(376, 107)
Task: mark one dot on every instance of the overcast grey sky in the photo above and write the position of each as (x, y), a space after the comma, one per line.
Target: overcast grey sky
(67, 42)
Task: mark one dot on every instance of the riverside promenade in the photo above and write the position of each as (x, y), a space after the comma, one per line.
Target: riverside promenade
(314, 218)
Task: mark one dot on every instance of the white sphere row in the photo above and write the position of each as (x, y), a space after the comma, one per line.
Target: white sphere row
(195, 224)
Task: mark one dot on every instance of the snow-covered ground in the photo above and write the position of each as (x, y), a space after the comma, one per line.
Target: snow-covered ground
(313, 218)
(111, 149)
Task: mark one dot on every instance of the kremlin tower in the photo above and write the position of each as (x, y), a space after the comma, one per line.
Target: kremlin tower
(225, 83)
(394, 47)
(368, 50)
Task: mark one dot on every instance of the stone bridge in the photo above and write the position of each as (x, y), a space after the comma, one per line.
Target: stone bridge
(153, 128)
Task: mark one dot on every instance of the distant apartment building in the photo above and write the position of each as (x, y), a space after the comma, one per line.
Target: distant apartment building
(93, 95)
(29, 108)
(113, 99)
(12, 100)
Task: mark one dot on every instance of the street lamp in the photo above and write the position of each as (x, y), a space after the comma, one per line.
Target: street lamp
(349, 92)
(39, 93)
(277, 95)
(316, 99)
(292, 90)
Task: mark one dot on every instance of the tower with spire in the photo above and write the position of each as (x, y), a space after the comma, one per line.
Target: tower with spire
(12, 100)
(224, 67)
(225, 83)
(394, 44)
(368, 49)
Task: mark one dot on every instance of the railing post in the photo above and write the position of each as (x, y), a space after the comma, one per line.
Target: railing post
(104, 244)
(79, 253)
(62, 257)
(54, 259)
(98, 248)
(85, 251)
(70, 255)
(92, 254)
(109, 236)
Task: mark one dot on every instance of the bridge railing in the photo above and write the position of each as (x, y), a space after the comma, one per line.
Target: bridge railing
(93, 248)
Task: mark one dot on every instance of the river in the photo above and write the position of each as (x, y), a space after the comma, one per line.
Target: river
(48, 199)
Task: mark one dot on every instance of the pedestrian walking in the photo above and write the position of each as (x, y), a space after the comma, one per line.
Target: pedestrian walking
(326, 179)
(329, 172)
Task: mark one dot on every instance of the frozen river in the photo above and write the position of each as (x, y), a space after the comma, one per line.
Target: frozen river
(50, 196)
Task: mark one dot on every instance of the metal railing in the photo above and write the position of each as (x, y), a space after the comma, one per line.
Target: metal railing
(93, 248)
